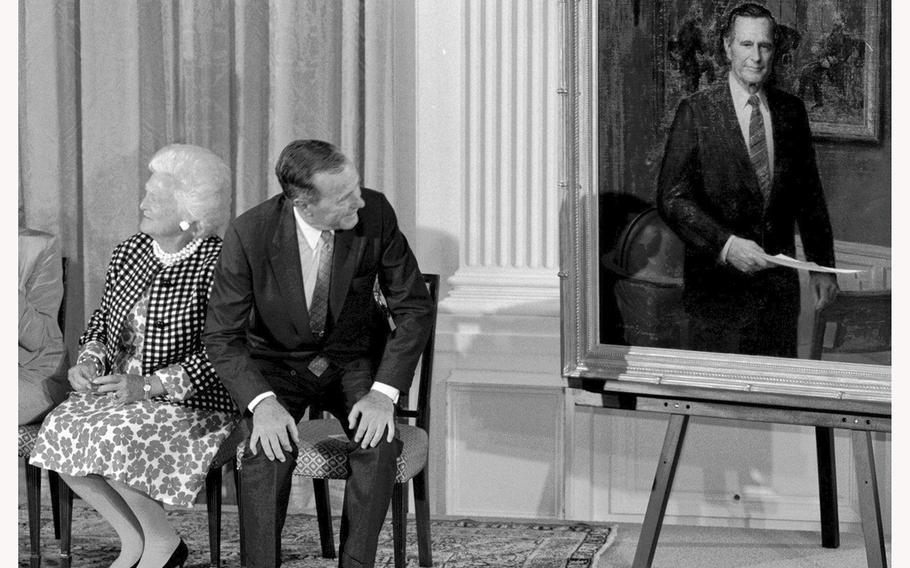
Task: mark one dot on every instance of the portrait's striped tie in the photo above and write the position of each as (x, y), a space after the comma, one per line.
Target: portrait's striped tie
(758, 147)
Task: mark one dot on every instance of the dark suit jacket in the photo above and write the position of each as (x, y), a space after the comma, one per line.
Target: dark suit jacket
(708, 190)
(257, 308)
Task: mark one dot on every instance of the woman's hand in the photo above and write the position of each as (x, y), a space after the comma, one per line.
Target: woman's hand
(121, 388)
(81, 376)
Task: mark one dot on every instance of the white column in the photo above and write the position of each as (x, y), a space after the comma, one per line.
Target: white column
(509, 240)
(487, 209)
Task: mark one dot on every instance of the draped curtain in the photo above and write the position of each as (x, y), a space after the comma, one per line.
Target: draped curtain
(103, 84)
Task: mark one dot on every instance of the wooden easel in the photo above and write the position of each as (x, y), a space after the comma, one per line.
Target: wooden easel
(754, 407)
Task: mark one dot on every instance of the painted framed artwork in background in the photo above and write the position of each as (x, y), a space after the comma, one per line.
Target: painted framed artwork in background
(828, 54)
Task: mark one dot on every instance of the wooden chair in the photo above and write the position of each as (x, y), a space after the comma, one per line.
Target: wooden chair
(61, 495)
(226, 456)
(324, 449)
(855, 322)
(323, 455)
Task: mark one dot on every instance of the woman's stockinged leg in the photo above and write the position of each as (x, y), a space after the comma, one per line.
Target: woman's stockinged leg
(160, 538)
(96, 491)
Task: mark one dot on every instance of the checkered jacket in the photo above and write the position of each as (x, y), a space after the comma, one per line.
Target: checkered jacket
(178, 298)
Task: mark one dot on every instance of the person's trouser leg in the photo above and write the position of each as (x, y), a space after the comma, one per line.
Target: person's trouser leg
(368, 490)
(367, 495)
(265, 486)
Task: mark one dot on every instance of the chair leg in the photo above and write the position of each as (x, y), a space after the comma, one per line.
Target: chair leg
(66, 521)
(213, 504)
(237, 474)
(324, 516)
(400, 523)
(827, 486)
(33, 496)
(422, 514)
(53, 481)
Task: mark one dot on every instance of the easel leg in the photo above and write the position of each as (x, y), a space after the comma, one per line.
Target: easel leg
(870, 508)
(827, 486)
(660, 491)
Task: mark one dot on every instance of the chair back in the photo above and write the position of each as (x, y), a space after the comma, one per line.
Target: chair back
(421, 413)
(855, 322)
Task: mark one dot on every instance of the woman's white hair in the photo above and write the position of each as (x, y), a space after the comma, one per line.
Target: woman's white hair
(203, 188)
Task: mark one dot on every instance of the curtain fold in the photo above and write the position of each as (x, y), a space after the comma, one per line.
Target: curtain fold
(103, 85)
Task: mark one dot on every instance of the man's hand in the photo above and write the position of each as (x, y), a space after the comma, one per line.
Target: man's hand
(825, 288)
(375, 412)
(273, 428)
(746, 255)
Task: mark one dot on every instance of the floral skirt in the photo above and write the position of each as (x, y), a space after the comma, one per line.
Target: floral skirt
(161, 449)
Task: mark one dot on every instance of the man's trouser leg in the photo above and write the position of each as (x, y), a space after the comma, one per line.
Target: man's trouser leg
(368, 490)
(367, 494)
(265, 486)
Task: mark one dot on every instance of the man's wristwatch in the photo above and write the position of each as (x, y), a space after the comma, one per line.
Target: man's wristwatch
(146, 388)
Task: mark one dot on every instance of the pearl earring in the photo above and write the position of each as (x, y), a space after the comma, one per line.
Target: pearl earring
(184, 226)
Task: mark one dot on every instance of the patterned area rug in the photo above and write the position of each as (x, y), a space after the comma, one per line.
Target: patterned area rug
(456, 543)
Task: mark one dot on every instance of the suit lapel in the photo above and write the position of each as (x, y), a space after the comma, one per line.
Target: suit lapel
(778, 129)
(284, 256)
(346, 257)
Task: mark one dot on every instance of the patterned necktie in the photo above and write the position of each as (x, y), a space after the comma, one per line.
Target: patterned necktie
(320, 303)
(758, 147)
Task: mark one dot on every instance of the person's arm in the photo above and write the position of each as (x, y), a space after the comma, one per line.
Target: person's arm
(224, 334)
(39, 301)
(373, 416)
(678, 185)
(680, 207)
(812, 217)
(94, 340)
(409, 302)
(224, 337)
(812, 210)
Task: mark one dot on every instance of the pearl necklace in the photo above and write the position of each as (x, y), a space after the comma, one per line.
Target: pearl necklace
(172, 258)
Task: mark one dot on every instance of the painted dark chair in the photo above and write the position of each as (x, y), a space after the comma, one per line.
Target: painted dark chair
(61, 495)
(855, 322)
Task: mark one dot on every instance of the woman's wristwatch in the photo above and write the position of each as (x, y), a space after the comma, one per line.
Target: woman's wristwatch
(146, 388)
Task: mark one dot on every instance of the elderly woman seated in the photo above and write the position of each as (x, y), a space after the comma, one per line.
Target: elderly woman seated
(42, 380)
(148, 412)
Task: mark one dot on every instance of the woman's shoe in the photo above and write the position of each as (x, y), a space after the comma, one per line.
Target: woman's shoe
(178, 557)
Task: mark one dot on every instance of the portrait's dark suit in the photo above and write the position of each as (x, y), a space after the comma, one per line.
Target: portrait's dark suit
(258, 337)
(708, 190)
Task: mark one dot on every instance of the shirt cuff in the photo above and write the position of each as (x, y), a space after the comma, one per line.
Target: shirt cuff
(385, 389)
(258, 399)
(726, 249)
